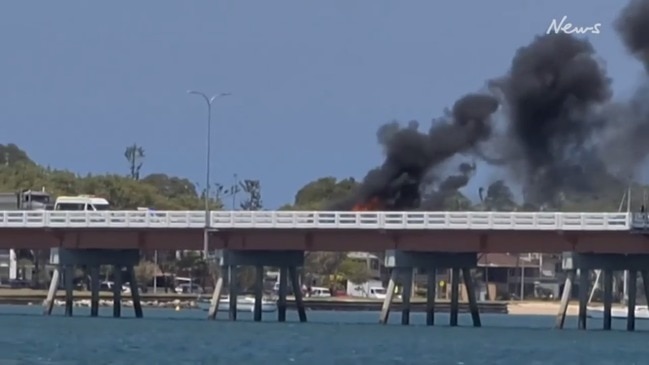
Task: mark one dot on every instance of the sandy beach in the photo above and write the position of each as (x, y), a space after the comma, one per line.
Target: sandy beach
(545, 308)
(539, 308)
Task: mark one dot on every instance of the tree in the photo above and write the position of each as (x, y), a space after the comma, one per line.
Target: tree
(246, 276)
(323, 263)
(499, 197)
(11, 154)
(457, 201)
(193, 265)
(181, 192)
(252, 188)
(217, 193)
(188, 263)
(134, 155)
(355, 271)
(322, 193)
(167, 265)
(144, 272)
(234, 190)
(106, 271)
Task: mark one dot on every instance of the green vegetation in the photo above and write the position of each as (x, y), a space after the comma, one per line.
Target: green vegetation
(157, 190)
(317, 194)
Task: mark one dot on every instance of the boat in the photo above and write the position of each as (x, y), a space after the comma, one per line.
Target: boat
(641, 312)
(244, 304)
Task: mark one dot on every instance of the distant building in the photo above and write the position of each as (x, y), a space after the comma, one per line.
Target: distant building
(373, 262)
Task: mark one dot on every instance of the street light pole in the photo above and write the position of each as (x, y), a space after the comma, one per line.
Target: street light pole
(208, 101)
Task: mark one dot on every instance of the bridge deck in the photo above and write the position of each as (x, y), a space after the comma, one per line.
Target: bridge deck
(324, 220)
(329, 231)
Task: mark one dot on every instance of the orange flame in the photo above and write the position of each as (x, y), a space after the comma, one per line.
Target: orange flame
(371, 205)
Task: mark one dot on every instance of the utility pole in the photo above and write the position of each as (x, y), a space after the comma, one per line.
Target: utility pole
(209, 101)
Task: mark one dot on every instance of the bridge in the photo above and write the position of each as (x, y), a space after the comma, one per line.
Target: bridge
(429, 240)
(517, 232)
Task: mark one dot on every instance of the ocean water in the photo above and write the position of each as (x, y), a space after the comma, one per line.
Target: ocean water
(336, 338)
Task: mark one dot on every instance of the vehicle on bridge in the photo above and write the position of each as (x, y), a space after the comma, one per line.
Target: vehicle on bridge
(19, 200)
(25, 200)
(81, 202)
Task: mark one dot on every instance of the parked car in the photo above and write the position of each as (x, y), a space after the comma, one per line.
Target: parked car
(188, 289)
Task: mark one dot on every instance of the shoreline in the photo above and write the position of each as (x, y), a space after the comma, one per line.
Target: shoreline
(173, 300)
(546, 308)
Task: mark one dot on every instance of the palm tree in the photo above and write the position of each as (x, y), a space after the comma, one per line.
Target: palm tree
(134, 155)
(499, 197)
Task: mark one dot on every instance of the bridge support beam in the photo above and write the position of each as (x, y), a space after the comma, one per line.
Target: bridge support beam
(402, 265)
(288, 263)
(583, 264)
(68, 260)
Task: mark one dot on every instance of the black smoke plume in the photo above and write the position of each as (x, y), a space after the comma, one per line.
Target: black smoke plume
(445, 194)
(551, 91)
(563, 134)
(633, 26)
(411, 154)
(566, 135)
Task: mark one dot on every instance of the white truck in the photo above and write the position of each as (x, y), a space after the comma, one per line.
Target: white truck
(81, 202)
(371, 289)
(19, 200)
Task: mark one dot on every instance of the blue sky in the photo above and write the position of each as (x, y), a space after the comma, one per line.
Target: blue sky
(311, 81)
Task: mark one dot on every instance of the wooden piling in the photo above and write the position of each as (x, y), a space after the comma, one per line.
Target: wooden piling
(117, 291)
(297, 292)
(608, 298)
(232, 313)
(632, 291)
(583, 298)
(135, 292)
(455, 296)
(645, 284)
(48, 305)
(283, 289)
(389, 297)
(430, 296)
(216, 298)
(259, 292)
(565, 299)
(94, 290)
(473, 302)
(69, 287)
(406, 295)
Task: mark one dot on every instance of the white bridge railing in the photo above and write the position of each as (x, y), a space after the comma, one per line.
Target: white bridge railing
(324, 220)
(640, 221)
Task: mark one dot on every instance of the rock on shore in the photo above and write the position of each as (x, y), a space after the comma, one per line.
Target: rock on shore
(129, 303)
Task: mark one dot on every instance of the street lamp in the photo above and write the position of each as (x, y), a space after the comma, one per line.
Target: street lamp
(209, 101)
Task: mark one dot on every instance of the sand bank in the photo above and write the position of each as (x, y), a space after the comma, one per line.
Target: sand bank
(539, 308)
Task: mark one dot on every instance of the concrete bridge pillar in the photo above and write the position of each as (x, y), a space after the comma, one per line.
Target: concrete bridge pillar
(288, 262)
(402, 265)
(91, 259)
(581, 265)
